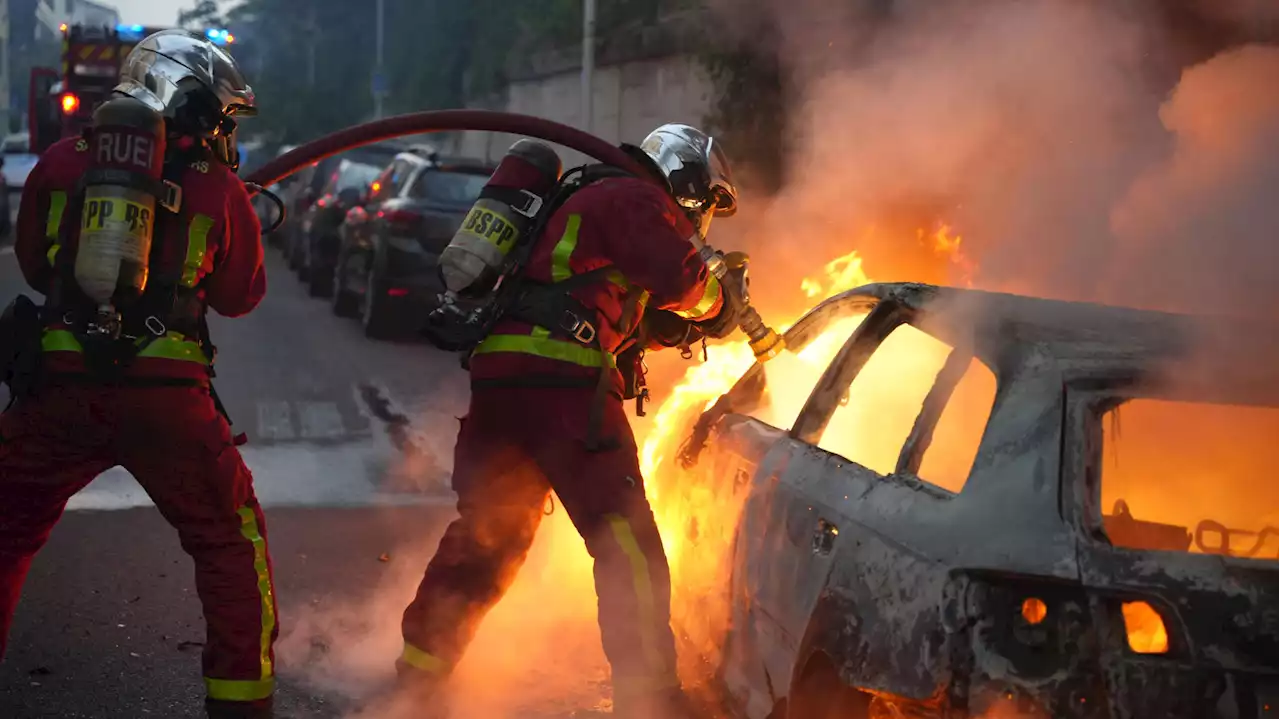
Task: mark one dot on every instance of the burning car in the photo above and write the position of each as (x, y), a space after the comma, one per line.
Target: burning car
(984, 505)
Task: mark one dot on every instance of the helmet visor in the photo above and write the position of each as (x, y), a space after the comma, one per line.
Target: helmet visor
(723, 192)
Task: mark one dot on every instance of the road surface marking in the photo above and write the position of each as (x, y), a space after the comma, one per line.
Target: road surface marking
(275, 421)
(320, 420)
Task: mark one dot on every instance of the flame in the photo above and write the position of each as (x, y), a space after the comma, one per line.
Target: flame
(1146, 630)
(943, 242)
(698, 518)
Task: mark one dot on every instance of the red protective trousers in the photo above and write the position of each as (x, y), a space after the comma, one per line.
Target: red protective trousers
(514, 447)
(180, 449)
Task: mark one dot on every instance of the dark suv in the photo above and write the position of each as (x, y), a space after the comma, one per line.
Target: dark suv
(387, 270)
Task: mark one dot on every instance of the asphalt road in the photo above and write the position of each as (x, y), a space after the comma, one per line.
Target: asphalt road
(349, 442)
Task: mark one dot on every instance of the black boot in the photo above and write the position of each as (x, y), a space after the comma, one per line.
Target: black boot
(671, 704)
(219, 709)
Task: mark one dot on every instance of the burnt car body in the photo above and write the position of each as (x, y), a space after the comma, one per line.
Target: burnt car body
(857, 593)
(387, 265)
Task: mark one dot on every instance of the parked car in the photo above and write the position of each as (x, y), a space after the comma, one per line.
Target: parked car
(348, 187)
(18, 160)
(305, 186)
(387, 265)
(266, 209)
(946, 519)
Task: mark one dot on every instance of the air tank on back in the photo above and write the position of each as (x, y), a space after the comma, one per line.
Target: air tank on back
(127, 147)
(500, 220)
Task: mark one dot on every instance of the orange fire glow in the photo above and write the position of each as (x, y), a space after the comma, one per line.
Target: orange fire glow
(697, 516)
(1146, 630)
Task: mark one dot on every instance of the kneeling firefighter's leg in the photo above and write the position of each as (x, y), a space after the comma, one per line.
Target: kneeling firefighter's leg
(604, 495)
(501, 496)
(181, 451)
(50, 447)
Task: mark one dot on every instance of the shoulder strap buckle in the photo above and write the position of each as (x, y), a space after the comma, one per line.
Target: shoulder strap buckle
(172, 199)
(531, 205)
(581, 330)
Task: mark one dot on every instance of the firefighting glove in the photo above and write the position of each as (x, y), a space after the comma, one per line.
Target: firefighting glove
(668, 329)
(734, 298)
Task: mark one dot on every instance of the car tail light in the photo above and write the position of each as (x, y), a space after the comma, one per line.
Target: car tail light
(1034, 610)
(397, 292)
(70, 103)
(400, 220)
(324, 201)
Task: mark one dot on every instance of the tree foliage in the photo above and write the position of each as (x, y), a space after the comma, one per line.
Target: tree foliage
(312, 63)
(205, 14)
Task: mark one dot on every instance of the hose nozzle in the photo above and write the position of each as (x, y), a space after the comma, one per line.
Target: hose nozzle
(765, 343)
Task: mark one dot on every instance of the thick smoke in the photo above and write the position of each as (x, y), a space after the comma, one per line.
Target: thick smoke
(1085, 150)
(1100, 151)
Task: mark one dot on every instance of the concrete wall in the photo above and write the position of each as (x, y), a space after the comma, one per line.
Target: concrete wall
(7, 114)
(630, 99)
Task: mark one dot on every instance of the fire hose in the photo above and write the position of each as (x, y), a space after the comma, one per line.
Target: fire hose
(765, 342)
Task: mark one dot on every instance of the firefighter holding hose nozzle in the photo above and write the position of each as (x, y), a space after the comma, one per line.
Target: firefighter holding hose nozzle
(132, 232)
(611, 272)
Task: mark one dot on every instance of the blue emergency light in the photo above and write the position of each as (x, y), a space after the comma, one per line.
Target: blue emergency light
(220, 36)
(130, 32)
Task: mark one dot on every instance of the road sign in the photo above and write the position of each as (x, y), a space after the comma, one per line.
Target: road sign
(379, 83)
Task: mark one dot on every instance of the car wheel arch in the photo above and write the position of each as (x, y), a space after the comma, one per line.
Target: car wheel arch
(832, 647)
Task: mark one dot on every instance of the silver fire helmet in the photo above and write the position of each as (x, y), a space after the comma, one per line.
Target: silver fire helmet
(696, 168)
(190, 80)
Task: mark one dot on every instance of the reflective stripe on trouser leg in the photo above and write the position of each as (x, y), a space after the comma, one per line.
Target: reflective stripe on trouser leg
(635, 569)
(423, 660)
(261, 688)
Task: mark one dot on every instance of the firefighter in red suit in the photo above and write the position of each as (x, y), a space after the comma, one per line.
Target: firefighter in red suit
(156, 416)
(539, 422)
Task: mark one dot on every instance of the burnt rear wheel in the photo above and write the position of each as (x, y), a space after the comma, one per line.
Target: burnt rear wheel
(822, 694)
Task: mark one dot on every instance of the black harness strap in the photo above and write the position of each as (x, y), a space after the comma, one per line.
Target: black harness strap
(552, 305)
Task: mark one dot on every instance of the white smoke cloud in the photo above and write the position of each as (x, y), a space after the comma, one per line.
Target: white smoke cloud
(1045, 132)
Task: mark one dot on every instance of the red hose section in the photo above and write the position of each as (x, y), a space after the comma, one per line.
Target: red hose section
(442, 121)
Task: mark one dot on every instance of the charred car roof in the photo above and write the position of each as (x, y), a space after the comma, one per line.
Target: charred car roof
(1228, 359)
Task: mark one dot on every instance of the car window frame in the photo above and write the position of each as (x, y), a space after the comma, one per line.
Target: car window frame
(331, 187)
(843, 370)
(390, 189)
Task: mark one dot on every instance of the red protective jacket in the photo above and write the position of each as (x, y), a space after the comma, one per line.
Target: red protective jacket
(218, 241)
(637, 228)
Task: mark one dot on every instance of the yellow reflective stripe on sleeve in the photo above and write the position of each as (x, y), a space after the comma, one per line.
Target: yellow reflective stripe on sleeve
(564, 249)
(59, 341)
(709, 297)
(53, 223)
(249, 530)
(57, 206)
(642, 585)
(426, 661)
(197, 246)
(238, 690)
(543, 346)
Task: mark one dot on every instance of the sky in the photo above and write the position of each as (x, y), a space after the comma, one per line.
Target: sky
(149, 12)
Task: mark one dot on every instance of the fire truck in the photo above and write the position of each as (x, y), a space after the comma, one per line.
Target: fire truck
(60, 103)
